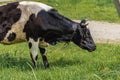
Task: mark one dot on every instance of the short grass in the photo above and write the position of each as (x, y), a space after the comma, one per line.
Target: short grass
(68, 63)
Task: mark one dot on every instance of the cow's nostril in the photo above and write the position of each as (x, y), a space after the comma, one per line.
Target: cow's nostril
(94, 48)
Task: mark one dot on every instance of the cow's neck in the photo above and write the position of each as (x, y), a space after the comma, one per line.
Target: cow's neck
(62, 29)
(68, 37)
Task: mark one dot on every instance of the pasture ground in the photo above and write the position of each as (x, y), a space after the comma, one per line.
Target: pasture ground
(71, 62)
(68, 63)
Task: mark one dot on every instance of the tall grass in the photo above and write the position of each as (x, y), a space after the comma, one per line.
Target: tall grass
(69, 63)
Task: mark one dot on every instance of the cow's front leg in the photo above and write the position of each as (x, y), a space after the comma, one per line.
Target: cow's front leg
(43, 54)
(33, 45)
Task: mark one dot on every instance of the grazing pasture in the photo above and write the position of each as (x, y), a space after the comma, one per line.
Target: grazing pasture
(71, 62)
(68, 63)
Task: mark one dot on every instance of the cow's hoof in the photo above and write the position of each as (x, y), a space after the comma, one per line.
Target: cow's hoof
(34, 67)
(46, 65)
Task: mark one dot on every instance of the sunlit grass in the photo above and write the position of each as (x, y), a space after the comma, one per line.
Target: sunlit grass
(69, 63)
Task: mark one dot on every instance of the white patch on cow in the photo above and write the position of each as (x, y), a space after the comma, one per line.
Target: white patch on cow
(35, 7)
(34, 48)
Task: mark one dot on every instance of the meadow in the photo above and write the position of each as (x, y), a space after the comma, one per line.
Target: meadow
(70, 62)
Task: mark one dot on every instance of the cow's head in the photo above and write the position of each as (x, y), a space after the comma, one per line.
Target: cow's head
(82, 37)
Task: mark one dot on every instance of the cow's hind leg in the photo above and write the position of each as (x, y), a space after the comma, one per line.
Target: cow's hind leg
(43, 54)
(33, 45)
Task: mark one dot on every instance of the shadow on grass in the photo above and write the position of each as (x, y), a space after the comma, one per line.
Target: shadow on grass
(63, 62)
(20, 63)
(8, 61)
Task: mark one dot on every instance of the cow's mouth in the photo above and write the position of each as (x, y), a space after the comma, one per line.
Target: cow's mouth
(89, 48)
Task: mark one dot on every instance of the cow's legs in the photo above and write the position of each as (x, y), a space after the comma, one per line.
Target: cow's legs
(33, 45)
(43, 54)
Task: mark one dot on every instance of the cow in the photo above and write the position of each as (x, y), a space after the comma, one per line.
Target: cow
(40, 25)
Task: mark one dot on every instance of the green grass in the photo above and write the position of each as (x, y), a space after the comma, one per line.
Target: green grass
(69, 63)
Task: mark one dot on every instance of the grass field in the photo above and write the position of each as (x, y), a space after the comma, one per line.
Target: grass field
(69, 63)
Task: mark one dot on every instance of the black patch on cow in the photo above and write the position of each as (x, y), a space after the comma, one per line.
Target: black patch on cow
(30, 44)
(41, 39)
(11, 37)
(44, 57)
(9, 14)
(31, 29)
(49, 25)
(36, 57)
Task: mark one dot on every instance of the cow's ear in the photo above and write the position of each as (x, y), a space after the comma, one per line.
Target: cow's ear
(84, 23)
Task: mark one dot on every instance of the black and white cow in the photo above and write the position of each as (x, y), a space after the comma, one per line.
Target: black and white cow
(40, 25)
